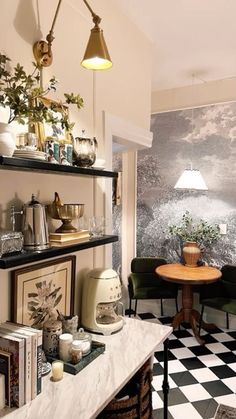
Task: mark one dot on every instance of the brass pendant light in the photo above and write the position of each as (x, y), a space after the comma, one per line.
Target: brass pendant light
(96, 56)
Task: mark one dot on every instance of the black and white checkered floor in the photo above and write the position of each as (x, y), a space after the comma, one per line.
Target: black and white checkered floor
(200, 377)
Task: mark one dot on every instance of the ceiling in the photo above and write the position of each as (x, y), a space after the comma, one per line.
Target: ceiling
(188, 37)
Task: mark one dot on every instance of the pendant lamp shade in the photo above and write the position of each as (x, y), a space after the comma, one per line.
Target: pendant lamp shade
(191, 179)
(96, 56)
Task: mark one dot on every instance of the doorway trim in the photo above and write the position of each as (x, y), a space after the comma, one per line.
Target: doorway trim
(130, 138)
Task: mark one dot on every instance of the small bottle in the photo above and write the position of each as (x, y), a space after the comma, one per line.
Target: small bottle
(76, 352)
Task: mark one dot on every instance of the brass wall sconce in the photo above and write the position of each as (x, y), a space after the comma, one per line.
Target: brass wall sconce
(96, 56)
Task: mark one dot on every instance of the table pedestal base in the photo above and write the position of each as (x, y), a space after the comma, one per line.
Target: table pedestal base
(189, 315)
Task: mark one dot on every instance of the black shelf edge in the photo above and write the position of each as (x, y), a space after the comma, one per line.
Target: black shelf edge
(11, 261)
(15, 163)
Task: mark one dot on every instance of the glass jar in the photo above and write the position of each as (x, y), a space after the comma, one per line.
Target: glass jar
(65, 342)
(10, 241)
(84, 341)
(76, 352)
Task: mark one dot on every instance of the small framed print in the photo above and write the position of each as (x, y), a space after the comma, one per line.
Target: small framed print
(54, 131)
(43, 290)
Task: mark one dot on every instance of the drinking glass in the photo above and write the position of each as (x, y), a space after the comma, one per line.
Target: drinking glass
(97, 226)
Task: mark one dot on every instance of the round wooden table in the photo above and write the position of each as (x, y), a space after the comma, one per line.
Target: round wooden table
(188, 277)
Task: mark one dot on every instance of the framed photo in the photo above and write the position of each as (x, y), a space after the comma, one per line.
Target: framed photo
(42, 290)
(54, 131)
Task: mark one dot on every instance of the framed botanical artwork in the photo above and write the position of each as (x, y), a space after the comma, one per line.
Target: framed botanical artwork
(43, 290)
(55, 131)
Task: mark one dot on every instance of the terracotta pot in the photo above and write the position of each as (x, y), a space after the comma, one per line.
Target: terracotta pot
(7, 140)
(191, 254)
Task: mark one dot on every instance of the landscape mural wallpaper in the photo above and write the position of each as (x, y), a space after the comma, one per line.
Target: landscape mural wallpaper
(205, 137)
(116, 219)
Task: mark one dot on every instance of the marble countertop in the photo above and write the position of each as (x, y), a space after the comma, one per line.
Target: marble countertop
(84, 395)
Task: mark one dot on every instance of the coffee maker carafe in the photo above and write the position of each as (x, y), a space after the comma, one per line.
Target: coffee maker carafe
(101, 302)
(34, 226)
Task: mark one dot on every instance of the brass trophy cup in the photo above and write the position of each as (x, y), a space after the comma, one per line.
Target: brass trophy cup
(66, 213)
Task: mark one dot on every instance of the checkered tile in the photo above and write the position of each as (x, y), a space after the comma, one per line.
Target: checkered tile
(200, 377)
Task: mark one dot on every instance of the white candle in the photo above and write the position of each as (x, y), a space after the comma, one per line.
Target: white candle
(2, 391)
(65, 342)
(57, 370)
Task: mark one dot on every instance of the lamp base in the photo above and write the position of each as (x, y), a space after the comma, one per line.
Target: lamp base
(41, 54)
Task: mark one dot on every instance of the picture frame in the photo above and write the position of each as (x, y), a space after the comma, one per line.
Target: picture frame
(43, 290)
(53, 131)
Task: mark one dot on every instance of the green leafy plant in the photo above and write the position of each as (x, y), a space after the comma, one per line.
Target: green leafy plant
(203, 233)
(21, 93)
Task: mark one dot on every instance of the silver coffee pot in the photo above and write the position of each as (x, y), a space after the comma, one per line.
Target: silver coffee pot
(35, 228)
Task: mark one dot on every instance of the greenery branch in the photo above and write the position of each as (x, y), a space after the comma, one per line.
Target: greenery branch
(21, 93)
(203, 233)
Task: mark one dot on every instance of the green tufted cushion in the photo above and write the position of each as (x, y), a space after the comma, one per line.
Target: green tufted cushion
(211, 290)
(229, 289)
(147, 264)
(229, 273)
(222, 294)
(224, 304)
(150, 286)
(144, 283)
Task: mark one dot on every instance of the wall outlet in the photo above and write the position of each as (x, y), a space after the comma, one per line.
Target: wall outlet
(223, 228)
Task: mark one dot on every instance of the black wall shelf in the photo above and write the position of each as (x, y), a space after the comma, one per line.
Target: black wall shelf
(15, 163)
(17, 259)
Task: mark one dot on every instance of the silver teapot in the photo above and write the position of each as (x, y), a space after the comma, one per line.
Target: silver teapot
(85, 151)
(35, 228)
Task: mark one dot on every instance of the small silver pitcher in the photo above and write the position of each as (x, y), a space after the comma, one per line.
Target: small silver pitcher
(35, 228)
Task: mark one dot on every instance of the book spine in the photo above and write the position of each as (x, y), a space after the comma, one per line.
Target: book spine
(17, 376)
(39, 362)
(34, 367)
(5, 370)
(28, 368)
(21, 376)
(17, 332)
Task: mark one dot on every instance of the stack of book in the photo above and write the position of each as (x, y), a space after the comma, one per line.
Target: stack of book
(20, 362)
(65, 239)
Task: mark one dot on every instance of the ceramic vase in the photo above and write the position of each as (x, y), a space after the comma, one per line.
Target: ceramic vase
(52, 329)
(191, 254)
(7, 140)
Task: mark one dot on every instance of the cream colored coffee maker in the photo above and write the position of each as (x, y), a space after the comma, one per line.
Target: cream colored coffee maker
(100, 302)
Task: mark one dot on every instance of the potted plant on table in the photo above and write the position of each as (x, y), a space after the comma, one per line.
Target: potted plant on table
(194, 237)
(22, 94)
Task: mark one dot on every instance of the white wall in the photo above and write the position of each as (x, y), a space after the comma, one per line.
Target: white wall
(22, 23)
